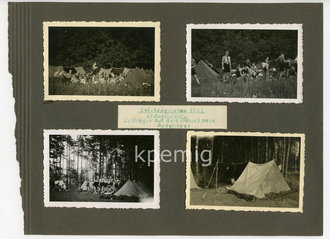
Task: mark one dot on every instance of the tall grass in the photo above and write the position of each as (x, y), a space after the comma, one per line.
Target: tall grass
(244, 87)
(61, 87)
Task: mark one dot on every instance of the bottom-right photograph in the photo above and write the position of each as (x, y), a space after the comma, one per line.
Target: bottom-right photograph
(245, 171)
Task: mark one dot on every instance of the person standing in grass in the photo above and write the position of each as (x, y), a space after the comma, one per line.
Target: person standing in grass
(281, 64)
(226, 66)
(265, 67)
(193, 71)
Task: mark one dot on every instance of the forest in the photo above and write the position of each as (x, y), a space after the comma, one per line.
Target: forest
(232, 153)
(211, 44)
(108, 46)
(75, 159)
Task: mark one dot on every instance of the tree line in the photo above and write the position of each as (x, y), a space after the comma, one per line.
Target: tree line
(211, 44)
(108, 47)
(236, 151)
(97, 156)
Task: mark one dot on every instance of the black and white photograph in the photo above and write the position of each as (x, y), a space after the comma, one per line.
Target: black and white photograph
(101, 169)
(104, 61)
(254, 63)
(245, 171)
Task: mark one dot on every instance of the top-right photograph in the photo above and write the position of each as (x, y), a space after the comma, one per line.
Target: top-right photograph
(252, 63)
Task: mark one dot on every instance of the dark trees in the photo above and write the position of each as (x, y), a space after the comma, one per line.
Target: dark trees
(237, 151)
(108, 46)
(102, 156)
(211, 44)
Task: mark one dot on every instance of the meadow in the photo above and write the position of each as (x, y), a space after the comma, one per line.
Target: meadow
(62, 87)
(246, 87)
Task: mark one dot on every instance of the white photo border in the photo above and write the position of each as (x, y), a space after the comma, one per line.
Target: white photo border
(245, 26)
(113, 98)
(299, 209)
(155, 204)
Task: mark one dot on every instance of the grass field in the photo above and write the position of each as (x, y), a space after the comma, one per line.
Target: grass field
(74, 196)
(221, 197)
(282, 88)
(60, 87)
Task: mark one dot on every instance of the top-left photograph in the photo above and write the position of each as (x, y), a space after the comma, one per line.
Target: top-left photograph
(101, 61)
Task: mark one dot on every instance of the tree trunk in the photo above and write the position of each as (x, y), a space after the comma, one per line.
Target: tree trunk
(100, 163)
(287, 158)
(283, 156)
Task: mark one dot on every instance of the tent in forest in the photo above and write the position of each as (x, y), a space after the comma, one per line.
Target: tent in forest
(131, 189)
(104, 71)
(80, 70)
(53, 69)
(85, 186)
(138, 77)
(193, 183)
(145, 189)
(204, 71)
(260, 179)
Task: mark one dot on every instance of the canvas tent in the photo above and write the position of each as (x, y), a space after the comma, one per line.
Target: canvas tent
(150, 72)
(85, 186)
(117, 71)
(126, 71)
(145, 188)
(132, 189)
(104, 71)
(80, 70)
(138, 77)
(204, 71)
(53, 69)
(260, 179)
(193, 183)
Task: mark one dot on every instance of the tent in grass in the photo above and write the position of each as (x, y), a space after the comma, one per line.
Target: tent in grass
(117, 71)
(53, 69)
(131, 189)
(193, 183)
(138, 77)
(205, 72)
(126, 71)
(104, 71)
(260, 179)
(80, 70)
(150, 72)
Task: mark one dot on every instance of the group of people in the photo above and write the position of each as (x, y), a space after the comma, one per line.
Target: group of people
(285, 66)
(91, 77)
(103, 185)
(249, 69)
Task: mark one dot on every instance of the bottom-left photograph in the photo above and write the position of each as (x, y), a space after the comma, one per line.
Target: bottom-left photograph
(101, 168)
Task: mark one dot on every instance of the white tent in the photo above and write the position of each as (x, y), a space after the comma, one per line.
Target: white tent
(131, 189)
(85, 186)
(126, 71)
(80, 70)
(144, 189)
(260, 179)
(52, 70)
(105, 72)
(193, 183)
